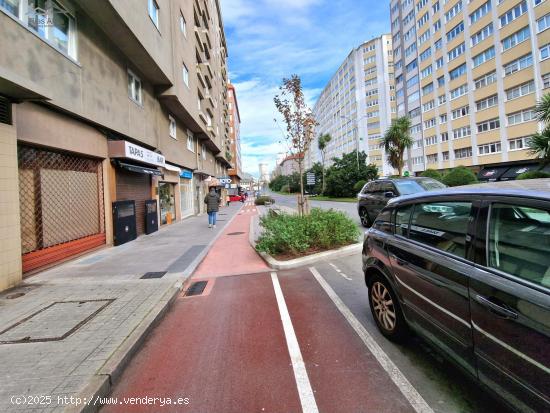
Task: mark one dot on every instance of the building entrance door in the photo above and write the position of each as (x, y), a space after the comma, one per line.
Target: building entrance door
(167, 203)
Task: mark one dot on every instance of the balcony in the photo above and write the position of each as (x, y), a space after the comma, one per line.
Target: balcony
(201, 77)
(206, 65)
(198, 36)
(202, 117)
(206, 35)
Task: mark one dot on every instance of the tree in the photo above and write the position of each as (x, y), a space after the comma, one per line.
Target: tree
(396, 139)
(459, 176)
(539, 143)
(343, 174)
(432, 173)
(299, 122)
(322, 143)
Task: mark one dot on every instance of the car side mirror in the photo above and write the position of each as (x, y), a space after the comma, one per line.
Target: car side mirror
(389, 194)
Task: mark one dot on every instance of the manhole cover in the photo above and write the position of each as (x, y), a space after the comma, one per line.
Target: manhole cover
(149, 275)
(235, 233)
(54, 322)
(196, 288)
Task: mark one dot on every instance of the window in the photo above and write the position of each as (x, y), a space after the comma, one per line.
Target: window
(154, 12)
(518, 64)
(457, 71)
(424, 19)
(445, 155)
(441, 99)
(521, 116)
(480, 12)
(517, 144)
(489, 148)
(203, 151)
(431, 158)
(425, 54)
(462, 132)
(487, 102)
(426, 72)
(402, 218)
(424, 37)
(183, 25)
(441, 81)
(513, 14)
(482, 34)
(484, 56)
(191, 142)
(432, 140)
(430, 123)
(439, 63)
(463, 153)
(48, 19)
(428, 105)
(453, 11)
(441, 225)
(443, 118)
(485, 80)
(444, 136)
(543, 23)
(185, 73)
(172, 126)
(435, 7)
(545, 52)
(514, 243)
(546, 80)
(461, 112)
(414, 113)
(521, 90)
(459, 91)
(412, 81)
(383, 220)
(455, 31)
(427, 89)
(416, 128)
(457, 51)
(515, 38)
(488, 125)
(438, 44)
(437, 25)
(134, 88)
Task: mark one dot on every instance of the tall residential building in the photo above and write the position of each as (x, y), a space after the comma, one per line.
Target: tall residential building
(476, 72)
(357, 105)
(235, 172)
(108, 114)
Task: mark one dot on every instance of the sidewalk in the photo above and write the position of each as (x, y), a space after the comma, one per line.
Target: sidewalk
(76, 325)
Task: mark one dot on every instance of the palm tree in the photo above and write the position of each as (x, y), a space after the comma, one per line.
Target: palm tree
(322, 143)
(539, 143)
(543, 109)
(396, 139)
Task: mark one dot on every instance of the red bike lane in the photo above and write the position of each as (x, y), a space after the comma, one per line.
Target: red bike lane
(226, 350)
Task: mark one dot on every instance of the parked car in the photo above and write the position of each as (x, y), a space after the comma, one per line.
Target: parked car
(469, 271)
(375, 194)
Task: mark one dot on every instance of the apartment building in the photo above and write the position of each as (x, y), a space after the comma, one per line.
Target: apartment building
(235, 172)
(357, 105)
(480, 67)
(114, 120)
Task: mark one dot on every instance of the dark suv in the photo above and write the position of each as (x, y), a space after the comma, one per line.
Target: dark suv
(469, 271)
(375, 194)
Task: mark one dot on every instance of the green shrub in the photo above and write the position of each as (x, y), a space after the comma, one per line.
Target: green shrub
(359, 185)
(261, 200)
(459, 176)
(533, 175)
(294, 234)
(285, 188)
(432, 173)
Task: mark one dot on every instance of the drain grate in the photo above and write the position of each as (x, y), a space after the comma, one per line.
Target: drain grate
(197, 288)
(149, 275)
(235, 233)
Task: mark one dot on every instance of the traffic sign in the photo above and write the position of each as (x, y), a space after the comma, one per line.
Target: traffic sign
(310, 178)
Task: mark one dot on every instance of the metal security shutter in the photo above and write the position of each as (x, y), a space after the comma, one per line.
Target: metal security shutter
(136, 187)
(5, 110)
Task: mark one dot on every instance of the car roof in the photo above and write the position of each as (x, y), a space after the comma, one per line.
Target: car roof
(407, 178)
(532, 194)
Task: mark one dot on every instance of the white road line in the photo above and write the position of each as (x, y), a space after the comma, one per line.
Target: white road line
(307, 399)
(339, 271)
(411, 394)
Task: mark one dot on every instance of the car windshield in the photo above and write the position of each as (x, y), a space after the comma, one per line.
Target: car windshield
(406, 187)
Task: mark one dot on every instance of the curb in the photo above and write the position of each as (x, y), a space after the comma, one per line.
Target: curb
(102, 383)
(302, 261)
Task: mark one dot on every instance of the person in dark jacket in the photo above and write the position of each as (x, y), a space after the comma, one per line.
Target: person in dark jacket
(212, 201)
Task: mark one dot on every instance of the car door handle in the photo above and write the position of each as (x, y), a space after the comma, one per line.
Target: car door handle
(496, 308)
(398, 260)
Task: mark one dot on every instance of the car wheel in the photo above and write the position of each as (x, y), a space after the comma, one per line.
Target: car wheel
(364, 217)
(386, 310)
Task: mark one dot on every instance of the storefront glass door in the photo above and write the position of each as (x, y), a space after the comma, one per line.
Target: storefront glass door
(167, 203)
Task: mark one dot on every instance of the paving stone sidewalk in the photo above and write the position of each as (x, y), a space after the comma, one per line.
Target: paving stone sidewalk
(76, 324)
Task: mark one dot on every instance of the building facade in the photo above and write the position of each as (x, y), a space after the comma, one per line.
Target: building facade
(106, 107)
(235, 172)
(357, 105)
(479, 69)
(289, 165)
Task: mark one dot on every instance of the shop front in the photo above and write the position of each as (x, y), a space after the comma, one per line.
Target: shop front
(169, 196)
(186, 193)
(136, 168)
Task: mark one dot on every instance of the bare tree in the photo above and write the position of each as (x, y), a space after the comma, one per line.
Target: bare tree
(299, 122)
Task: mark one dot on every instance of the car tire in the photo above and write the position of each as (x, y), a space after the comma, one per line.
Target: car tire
(364, 217)
(386, 310)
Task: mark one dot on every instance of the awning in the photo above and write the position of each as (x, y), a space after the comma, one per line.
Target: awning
(138, 169)
(172, 168)
(514, 171)
(492, 174)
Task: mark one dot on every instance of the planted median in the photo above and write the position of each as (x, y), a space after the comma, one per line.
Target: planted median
(287, 236)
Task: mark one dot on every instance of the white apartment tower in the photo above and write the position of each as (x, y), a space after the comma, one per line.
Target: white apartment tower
(357, 105)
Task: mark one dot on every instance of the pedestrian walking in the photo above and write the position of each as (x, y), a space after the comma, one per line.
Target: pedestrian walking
(212, 201)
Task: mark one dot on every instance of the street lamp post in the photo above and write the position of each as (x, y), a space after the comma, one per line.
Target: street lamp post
(356, 133)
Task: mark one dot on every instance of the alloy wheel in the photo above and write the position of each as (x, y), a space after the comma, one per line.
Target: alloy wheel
(383, 306)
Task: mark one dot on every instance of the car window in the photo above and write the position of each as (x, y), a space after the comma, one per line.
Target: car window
(383, 221)
(406, 187)
(386, 187)
(519, 242)
(442, 225)
(402, 217)
(373, 187)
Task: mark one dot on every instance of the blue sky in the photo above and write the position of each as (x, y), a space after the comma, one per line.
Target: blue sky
(271, 39)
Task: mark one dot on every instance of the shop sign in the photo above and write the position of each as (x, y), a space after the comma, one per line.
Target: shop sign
(224, 180)
(125, 149)
(186, 174)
